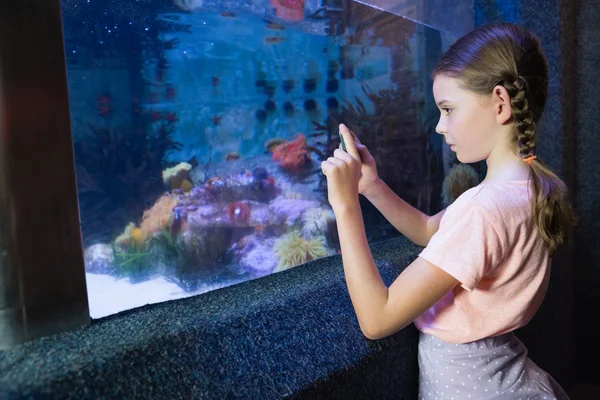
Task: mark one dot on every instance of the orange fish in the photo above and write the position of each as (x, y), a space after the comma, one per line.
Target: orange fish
(275, 27)
(232, 156)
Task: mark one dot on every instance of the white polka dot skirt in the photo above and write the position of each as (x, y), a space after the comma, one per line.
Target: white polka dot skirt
(491, 368)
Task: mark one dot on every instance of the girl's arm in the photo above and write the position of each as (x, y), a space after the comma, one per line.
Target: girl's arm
(412, 223)
(382, 311)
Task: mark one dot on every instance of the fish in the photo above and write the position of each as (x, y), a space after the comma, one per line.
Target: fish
(272, 144)
(216, 120)
(274, 26)
(274, 39)
(233, 156)
(228, 14)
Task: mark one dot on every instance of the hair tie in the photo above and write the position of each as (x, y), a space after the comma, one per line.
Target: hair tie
(528, 160)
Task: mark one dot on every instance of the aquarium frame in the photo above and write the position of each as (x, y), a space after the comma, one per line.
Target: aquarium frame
(42, 274)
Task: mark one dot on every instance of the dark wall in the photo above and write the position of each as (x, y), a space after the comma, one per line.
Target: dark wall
(568, 141)
(587, 239)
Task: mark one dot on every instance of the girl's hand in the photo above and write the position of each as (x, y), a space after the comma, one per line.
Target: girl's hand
(343, 173)
(369, 177)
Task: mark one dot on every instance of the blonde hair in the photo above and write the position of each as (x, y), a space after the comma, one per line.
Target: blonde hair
(509, 55)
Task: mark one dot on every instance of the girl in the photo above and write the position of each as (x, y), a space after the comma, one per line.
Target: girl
(485, 268)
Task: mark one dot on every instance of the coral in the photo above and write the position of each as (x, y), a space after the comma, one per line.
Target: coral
(260, 260)
(99, 259)
(292, 155)
(290, 210)
(238, 212)
(186, 186)
(175, 176)
(124, 238)
(137, 237)
(291, 10)
(131, 236)
(460, 178)
(294, 250)
(315, 221)
(159, 216)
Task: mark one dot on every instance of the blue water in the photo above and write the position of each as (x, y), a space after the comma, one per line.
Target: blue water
(153, 86)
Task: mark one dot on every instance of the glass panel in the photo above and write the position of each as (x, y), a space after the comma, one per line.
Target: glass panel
(200, 127)
(454, 16)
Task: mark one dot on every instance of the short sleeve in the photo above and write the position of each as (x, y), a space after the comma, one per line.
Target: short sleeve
(466, 245)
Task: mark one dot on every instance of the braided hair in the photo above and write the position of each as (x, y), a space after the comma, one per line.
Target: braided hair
(509, 55)
(523, 116)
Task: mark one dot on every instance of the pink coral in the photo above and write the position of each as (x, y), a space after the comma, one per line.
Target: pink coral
(292, 155)
(291, 10)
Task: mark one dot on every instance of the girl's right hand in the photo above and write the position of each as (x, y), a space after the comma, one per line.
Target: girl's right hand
(369, 177)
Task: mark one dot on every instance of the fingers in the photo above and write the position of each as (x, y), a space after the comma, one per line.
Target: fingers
(349, 141)
(337, 159)
(331, 163)
(354, 135)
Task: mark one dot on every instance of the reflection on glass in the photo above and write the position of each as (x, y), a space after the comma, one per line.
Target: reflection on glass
(199, 133)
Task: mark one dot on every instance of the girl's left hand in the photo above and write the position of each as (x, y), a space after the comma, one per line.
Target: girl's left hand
(343, 173)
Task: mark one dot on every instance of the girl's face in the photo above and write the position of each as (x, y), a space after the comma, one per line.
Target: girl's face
(468, 122)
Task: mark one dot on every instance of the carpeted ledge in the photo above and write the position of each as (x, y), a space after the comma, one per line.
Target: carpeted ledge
(292, 334)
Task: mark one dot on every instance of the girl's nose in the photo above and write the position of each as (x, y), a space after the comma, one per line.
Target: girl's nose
(440, 128)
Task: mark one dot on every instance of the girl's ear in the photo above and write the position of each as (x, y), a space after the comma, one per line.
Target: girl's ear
(501, 102)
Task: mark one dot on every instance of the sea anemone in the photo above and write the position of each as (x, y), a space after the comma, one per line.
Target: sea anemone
(294, 250)
(315, 221)
(238, 212)
(137, 237)
(175, 176)
(460, 178)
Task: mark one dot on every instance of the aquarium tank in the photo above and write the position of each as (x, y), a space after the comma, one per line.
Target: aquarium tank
(199, 127)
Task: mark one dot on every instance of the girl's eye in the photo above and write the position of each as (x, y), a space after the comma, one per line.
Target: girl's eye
(447, 110)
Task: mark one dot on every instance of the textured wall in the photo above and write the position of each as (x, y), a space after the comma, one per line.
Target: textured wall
(554, 322)
(587, 245)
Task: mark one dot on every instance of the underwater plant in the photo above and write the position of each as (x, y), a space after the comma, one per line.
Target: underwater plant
(117, 173)
(391, 129)
(294, 250)
(460, 178)
(134, 261)
(189, 257)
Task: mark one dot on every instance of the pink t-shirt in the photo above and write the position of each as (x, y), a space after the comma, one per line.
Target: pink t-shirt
(488, 241)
